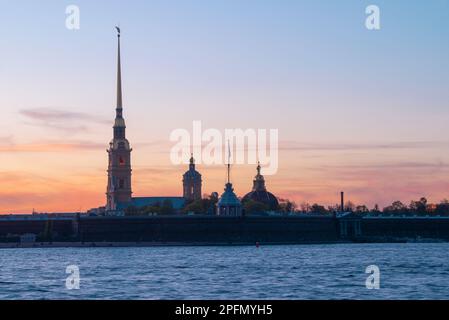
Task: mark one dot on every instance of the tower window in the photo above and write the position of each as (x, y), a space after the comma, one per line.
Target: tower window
(121, 183)
(121, 161)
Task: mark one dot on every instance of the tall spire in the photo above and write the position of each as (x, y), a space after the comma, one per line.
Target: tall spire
(119, 189)
(192, 162)
(119, 76)
(119, 124)
(229, 204)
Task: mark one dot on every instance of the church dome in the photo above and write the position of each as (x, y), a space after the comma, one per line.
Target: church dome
(192, 173)
(228, 198)
(192, 183)
(264, 197)
(260, 193)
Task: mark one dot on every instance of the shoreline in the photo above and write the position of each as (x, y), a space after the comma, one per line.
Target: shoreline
(107, 244)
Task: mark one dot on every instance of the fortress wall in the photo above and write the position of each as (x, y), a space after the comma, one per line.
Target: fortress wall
(210, 229)
(406, 227)
(52, 228)
(220, 230)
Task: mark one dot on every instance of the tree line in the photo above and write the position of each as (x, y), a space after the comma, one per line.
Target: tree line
(419, 207)
(208, 204)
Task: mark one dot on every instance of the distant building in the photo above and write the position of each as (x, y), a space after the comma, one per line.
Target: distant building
(119, 152)
(192, 183)
(119, 191)
(229, 204)
(260, 194)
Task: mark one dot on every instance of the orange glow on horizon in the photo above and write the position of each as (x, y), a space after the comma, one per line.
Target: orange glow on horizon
(47, 182)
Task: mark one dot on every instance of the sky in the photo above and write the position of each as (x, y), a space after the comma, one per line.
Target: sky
(357, 110)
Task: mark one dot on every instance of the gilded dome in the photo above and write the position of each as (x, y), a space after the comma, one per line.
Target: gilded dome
(260, 193)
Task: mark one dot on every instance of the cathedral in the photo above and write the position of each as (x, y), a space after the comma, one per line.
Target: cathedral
(119, 152)
(191, 183)
(260, 194)
(119, 188)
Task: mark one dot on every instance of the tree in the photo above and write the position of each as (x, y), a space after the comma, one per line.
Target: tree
(362, 209)
(202, 206)
(305, 207)
(316, 208)
(419, 207)
(349, 206)
(333, 209)
(252, 206)
(167, 207)
(376, 209)
(396, 208)
(442, 208)
(210, 202)
(195, 207)
(287, 206)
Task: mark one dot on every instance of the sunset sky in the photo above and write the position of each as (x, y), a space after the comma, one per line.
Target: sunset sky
(366, 112)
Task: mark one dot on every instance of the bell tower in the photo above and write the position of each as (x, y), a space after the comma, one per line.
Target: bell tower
(119, 152)
(191, 182)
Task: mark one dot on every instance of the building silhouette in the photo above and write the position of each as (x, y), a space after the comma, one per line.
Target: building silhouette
(119, 152)
(192, 182)
(229, 204)
(119, 190)
(260, 194)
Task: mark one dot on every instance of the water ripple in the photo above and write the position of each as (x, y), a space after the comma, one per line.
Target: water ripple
(408, 271)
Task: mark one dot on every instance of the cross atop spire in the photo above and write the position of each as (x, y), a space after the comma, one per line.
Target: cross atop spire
(192, 162)
(119, 124)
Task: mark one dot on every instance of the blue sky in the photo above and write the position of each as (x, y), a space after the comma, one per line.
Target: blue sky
(309, 68)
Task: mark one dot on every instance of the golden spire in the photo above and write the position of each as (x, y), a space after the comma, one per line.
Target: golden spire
(119, 75)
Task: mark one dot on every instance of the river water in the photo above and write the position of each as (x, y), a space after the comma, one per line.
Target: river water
(407, 271)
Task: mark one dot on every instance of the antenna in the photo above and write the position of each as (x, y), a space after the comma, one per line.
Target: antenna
(229, 162)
